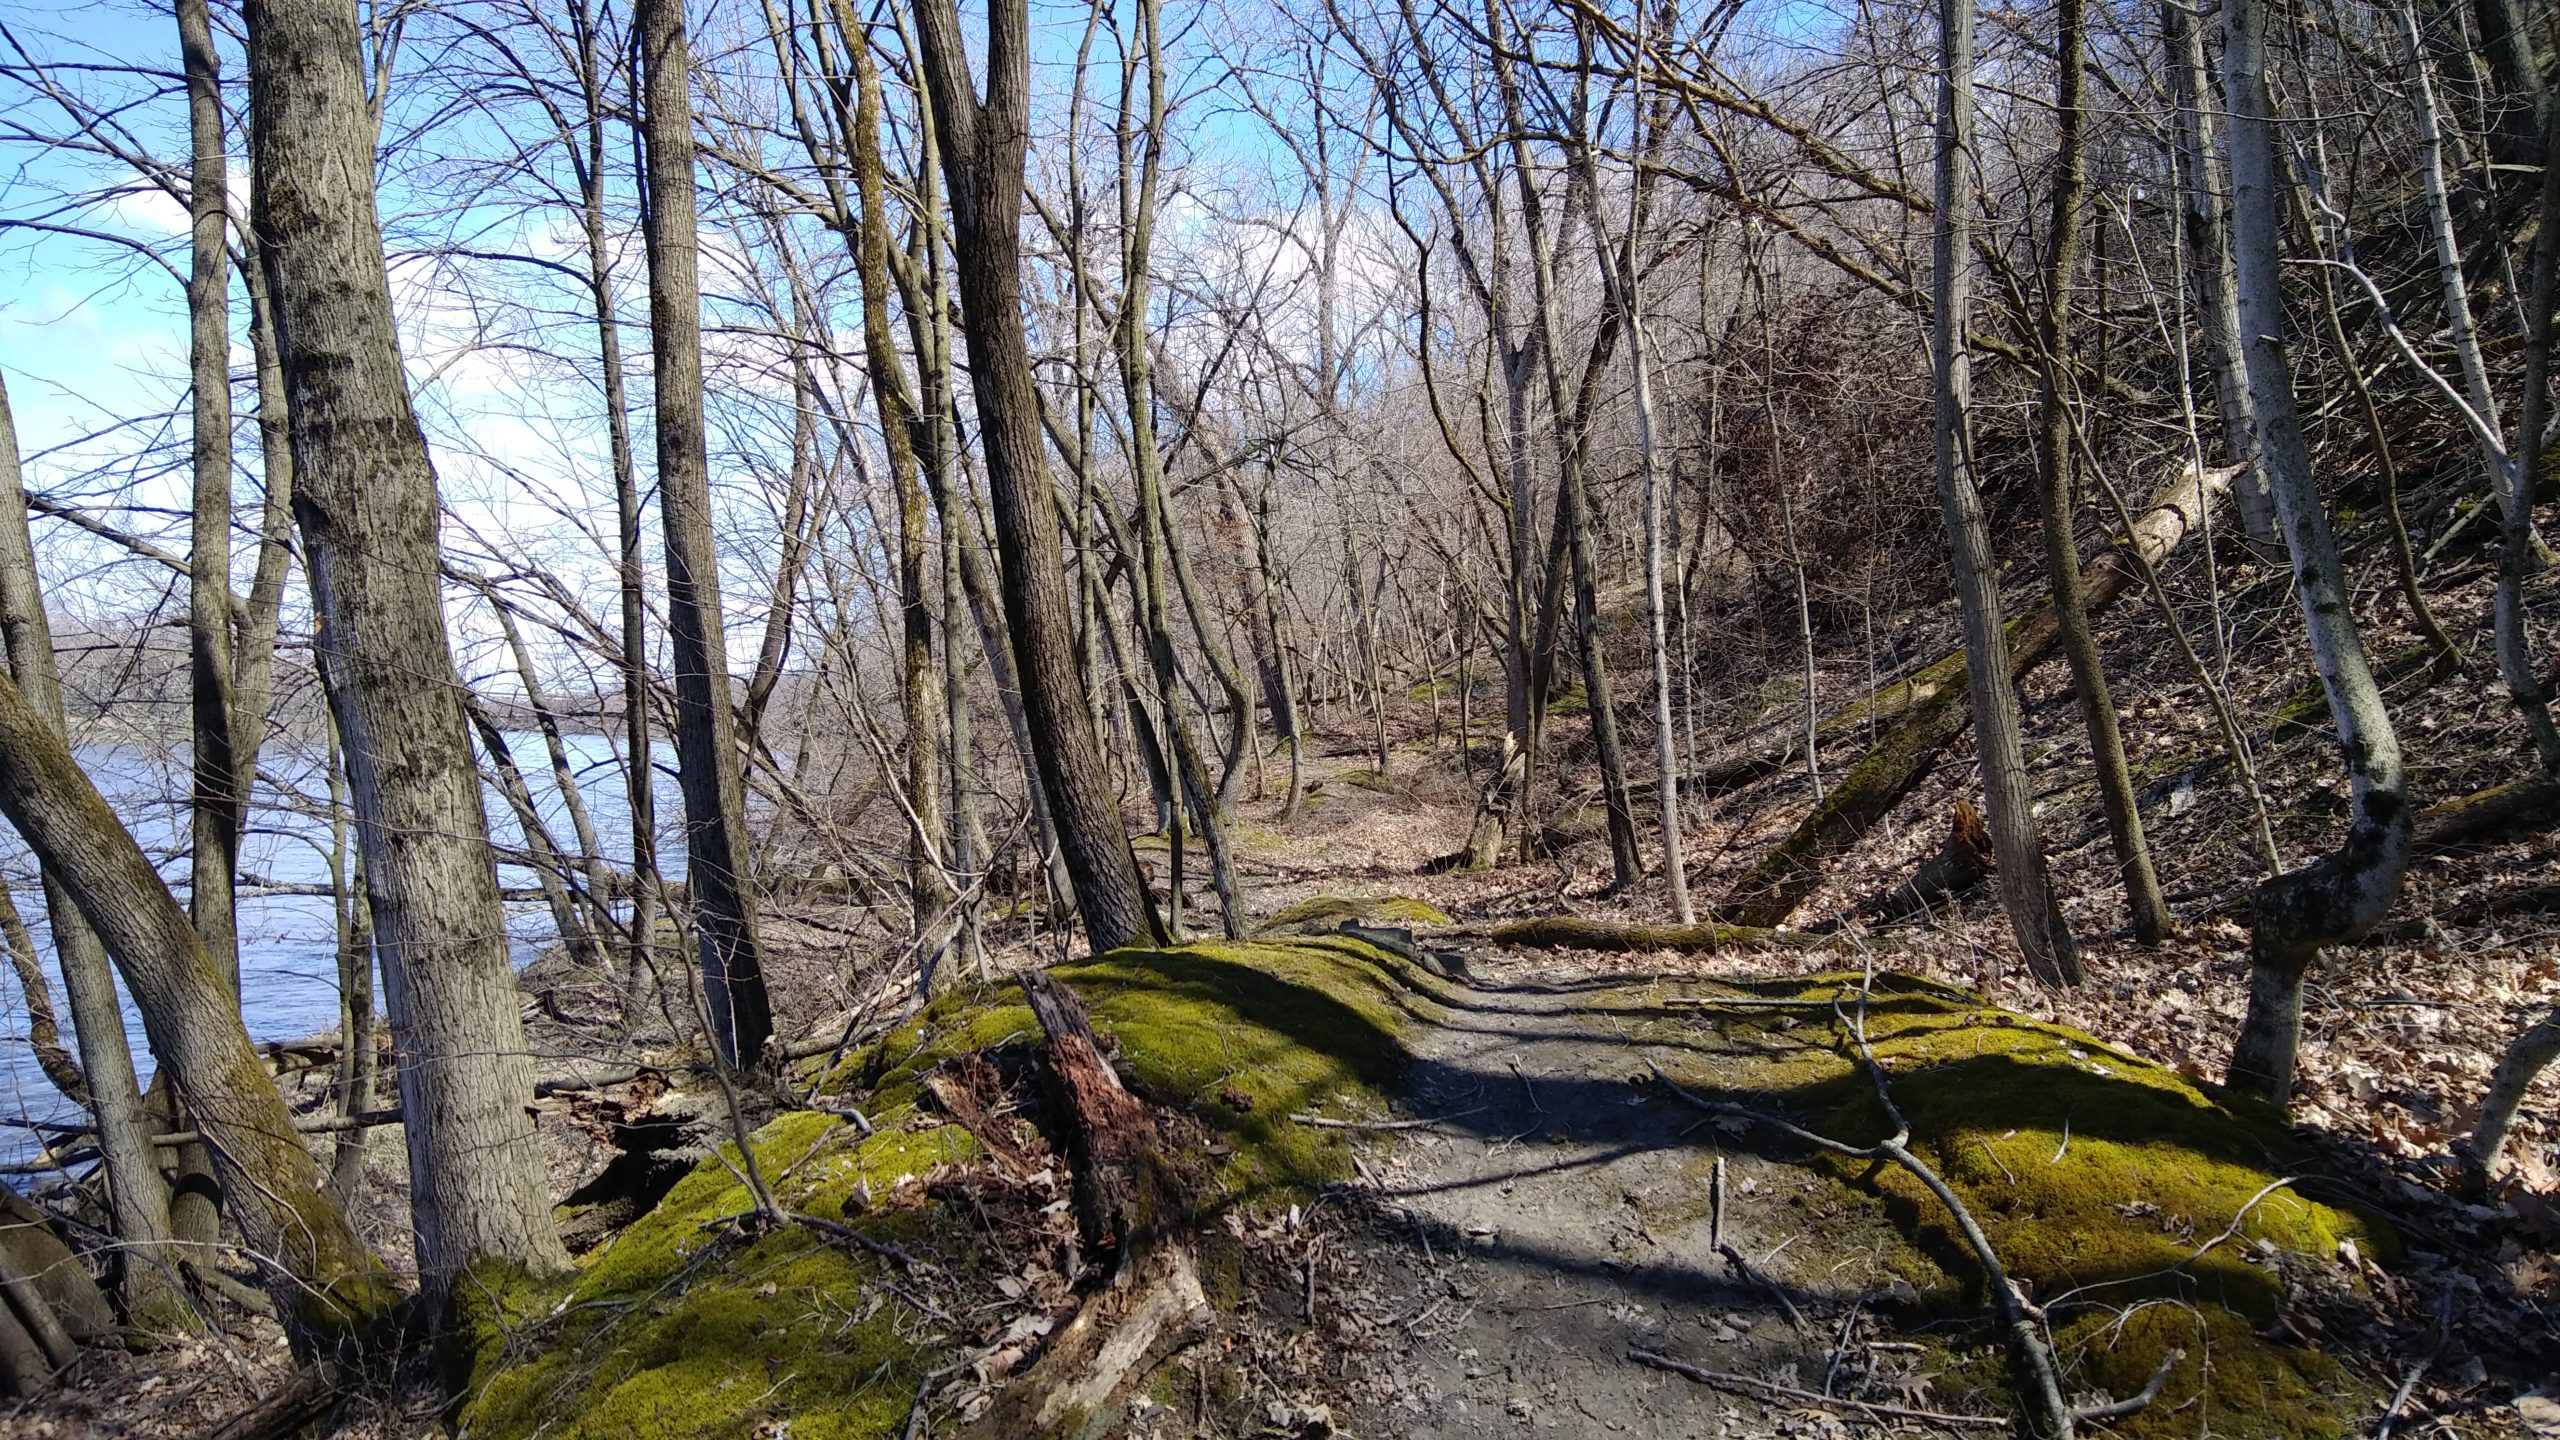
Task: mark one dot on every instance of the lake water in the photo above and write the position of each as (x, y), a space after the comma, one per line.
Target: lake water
(289, 943)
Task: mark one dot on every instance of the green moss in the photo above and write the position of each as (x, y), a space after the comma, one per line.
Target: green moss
(1321, 913)
(2096, 1176)
(692, 1323)
(698, 1321)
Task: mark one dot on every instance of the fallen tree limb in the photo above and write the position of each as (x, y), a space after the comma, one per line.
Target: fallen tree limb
(2033, 1355)
(1956, 870)
(1574, 932)
(1723, 1380)
(1930, 709)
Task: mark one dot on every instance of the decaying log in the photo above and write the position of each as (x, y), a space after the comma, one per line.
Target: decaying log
(2489, 814)
(1930, 709)
(1956, 870)
(1124, 1188)
(1110, 1139)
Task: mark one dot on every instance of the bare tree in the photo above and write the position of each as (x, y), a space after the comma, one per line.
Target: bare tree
(366, 506)
(724, 906)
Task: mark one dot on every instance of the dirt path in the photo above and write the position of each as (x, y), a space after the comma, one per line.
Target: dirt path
(1558, 1218)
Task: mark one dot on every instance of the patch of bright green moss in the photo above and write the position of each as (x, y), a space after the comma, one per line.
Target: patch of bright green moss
(691, 1324)
(2096, 1176)
(1321, 913)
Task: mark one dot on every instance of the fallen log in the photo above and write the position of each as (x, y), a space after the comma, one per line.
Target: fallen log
(1574, 932)
(1930, 709)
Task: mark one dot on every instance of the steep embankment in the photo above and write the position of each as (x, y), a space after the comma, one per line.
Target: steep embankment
(1428, 1197)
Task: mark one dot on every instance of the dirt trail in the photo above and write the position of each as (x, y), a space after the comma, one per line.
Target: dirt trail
(1558, 1217)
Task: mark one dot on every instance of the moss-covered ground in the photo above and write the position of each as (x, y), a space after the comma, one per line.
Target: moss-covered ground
(704, 1320)
(2144, 1213)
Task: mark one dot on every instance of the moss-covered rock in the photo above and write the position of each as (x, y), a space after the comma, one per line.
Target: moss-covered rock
(703, 1320)
(1318, 914)
(2102, 1180)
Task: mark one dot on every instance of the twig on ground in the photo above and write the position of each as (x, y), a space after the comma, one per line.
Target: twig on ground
(1325, 1123)
(2137, 1401)
(2034, 1355)
(1868, 1408)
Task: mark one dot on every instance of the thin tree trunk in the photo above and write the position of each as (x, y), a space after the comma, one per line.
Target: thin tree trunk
(139, 1198)
(355, 988)
(2149, 913)
(215, 800)
(921, 686)
(366, 505)
(2506, 464)
(2026, 892)
(730, 952)
(2342, 895)
(2205, 213)
(639, 770)
(982, 144)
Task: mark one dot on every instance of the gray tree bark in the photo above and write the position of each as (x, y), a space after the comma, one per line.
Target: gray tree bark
(366, 505)
(2026, 891)
(2341, 895)
(730, 951)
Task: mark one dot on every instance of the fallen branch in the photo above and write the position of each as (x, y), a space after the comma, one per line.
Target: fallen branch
(1873, 1411)
(2033, 1354)
(2139, 1400)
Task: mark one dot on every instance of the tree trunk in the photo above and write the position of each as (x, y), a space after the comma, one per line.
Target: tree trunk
(639, 772)
(325, 1279)
(2205, 214)
(982, 147)
(366, 505)
(2026, 891)
(139, 1198)
(2149, 913)
(929, 885)
(216, 798)
(2342, 895)
(730, 952)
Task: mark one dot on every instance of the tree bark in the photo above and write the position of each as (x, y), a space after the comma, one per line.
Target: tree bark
(2149, 913)
(216, 798)
(366, 505)
(920, 681)
(138, 1197)
(2026, 890)
(982, 144)
(730, 951)
(2342, 895)
(2205, 214)
(322, 1275)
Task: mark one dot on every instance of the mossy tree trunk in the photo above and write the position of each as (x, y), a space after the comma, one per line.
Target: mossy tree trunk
(325, 1281)
(138, 1196)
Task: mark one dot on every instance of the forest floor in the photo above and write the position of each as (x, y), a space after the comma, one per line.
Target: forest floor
(1502, 1259)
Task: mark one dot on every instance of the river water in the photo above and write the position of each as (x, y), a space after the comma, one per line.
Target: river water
(288, 943)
